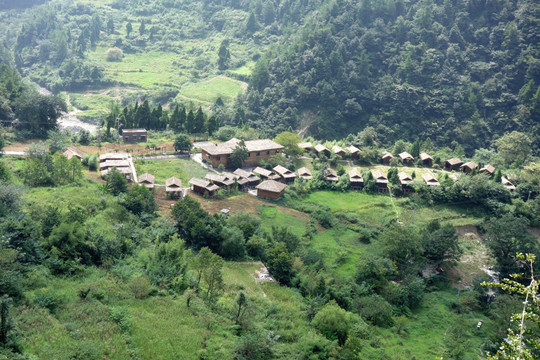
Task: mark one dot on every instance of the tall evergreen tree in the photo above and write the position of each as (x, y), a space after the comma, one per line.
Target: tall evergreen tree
(199, 123)
(190, 122)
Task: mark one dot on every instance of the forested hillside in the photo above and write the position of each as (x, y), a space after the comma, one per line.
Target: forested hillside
(465, 71)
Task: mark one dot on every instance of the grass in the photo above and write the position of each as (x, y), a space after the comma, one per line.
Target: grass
(208, 91)
(271, 216)
(183, 169)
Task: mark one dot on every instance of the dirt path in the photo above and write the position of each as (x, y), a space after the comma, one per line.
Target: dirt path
(69, 120)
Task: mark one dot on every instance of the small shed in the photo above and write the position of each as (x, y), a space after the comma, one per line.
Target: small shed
(453, 164)
(287, 175)
(71, 152)
(338, 150)
(386, 157)
(321, 149)
(330, 175)
(251, 177)
(468, 167)
(173, 187)
(507, 183)
(354, 151)
(266, 174)
(356, 179)
(147, 180)
(405, 180)
(271, 189)
(426, 160)
(454, 177)
(202, 186)
(381, 181)
(430, 180)
(305, 174)
(406, 158)
(488, 169)
(306, 146)
(134, 135)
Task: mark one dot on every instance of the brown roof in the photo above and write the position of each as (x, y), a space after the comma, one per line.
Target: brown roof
(239, 179)
(147, 178)
(284, 172)
(404, 178)
(173, 184)
(387, 155)
(113, 156)
(454, 161)
(305, 173)
(262, 145)
(507, 183)
(488, 168)
(251, 145)
(272, 186)
(330, 175)
(337, 149)
(71, 152)
(203, 183)
(355, 176)
(114, 163)
(453, 176)
(305, 145)
(320, 148)
(134, 131)
(353, 149)
(380, 178)
(246, 174)
(406, 156)
(219, 178)
(265, 173)
(430, 179)
(471, 165)
(424, 156)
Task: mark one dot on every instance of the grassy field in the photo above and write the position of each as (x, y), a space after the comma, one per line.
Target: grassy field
(208, 91)
(183, 169)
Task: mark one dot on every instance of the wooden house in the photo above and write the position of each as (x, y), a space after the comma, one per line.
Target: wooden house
(381, 181)
(258, 150)
(241, 182)
(119, 161)
(430, 180)
(507, 183)
(426, 160)
(306, 146)
(453, 176)
(266, 174)
(271, 189)
(251, 177)
(405, 180)
(354, 151)
(330, 175)
(386, 157)
(338, 150)
(453, 164)
(147, 180)
(406, 158)
(287, 176)
(71, 152)
(134, 135)
(488, 169)
(356, 179)
(173, 187)
(468, 167)
(219, 179)
(321, 149)
(304, 173)
(202, 186)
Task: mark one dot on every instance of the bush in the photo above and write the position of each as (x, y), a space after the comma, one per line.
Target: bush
(115, 54)
(47, 299)
(140, 287)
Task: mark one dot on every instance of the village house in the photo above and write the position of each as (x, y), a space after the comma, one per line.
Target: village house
(249, 176)
(266, 174)
(173, 187)
(258, 150)
(304, 173)
(219, 179)
(321, 149)
(386, 157)
(468, 167)
(287, 175)
(71, 152)
(488, 169)
(426, 160)
(356, 179)
(405, 180)
(147, 180)
(406, 158)
(306, 146)
(338, 150)
(242, 182)
(134, 135)
(271, 189)
(453, 164)
(330, 175)
(454, 177)
(430, 180)
(203, 187)
(507, 183)
(354, 151)
(119, 161)
(381, 181)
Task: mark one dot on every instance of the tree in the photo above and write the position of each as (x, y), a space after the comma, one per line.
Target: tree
(415, 149)
(129, 28)
(116, 182)
(239, 155)
(7, 326)
(241, 303)
(441, 242)
(199, 122)
(190, 122)
(233, 245)
(208, 268)
(251, 24)
(212, 124)
(139, 199)
(110, 25)
(224, 55)
(84, 137)
(2, 143)
(182, 142)
(514, 148)
(280, 263)
(290, 142)
(334, 322)
(57, 141)
(142, 28)
(401, 244)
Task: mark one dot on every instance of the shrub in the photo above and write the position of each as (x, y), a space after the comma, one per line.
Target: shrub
(140, 287)
(115, 54)
(47, 299)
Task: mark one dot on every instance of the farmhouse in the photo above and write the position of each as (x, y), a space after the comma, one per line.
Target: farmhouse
(406, 158)
(203, 187)
(120, 161)
(265, 174)
(468, 167)
(453, 164)
(306, 146)
(356, 179)
(249, 176)
(426, 160)
(286, 175)
(219, 179)
(338, 150)
(354, 151)
(430, 180)
(134, 135)
(386, 157)
(405, 180)
(71, 152)
(147, 180)
(242, 182)
(330, 175)
(173, 187)
(271, 189)
(321, 149)
(257, 150)
(305, 174)
(381, 181)
(488, 169)
(507, 183)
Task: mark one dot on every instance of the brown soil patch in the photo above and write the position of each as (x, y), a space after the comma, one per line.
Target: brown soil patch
(134, 149)
(164, 204)
(21, 146)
